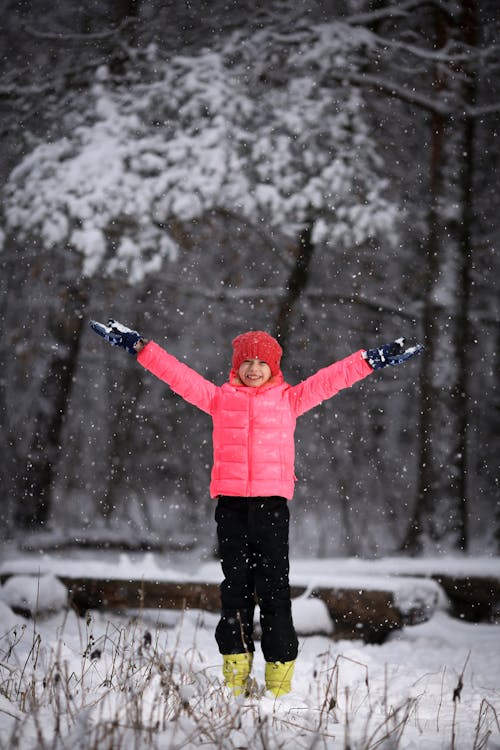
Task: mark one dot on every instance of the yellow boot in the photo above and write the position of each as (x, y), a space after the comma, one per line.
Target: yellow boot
(279, 676)
(236, 670)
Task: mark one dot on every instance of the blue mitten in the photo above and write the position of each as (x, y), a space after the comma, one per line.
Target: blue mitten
(117, 334)
(394, 353)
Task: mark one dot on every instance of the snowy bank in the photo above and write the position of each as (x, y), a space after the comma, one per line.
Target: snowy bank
(154, 681)
(365, 599)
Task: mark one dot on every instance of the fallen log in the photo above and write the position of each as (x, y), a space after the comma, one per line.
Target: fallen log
(118, 594)
(472, 598)
(364, 606)
(364, 614)
(356, 612)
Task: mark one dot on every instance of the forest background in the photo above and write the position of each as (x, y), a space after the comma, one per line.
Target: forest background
(326, 171)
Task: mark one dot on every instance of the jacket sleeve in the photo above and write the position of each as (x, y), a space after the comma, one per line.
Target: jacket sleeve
(327, 382)
(183, 380)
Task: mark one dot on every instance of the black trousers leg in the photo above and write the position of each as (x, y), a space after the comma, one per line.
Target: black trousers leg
(234, 631)
(253, 542)
(269, 530)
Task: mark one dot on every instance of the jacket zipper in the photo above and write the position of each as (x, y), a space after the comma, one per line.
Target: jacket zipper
(249, 444)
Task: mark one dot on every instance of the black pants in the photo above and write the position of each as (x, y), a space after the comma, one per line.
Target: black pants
(253, 544)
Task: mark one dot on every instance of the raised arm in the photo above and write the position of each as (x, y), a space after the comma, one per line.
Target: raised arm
(185, 381)
(182, 379)
(330, 380)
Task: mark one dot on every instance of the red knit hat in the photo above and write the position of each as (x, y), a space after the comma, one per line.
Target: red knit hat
(257, 345)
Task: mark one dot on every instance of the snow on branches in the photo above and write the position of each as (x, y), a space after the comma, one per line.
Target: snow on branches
(203, 134)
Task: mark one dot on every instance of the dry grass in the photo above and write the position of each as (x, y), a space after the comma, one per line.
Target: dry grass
(127, 689)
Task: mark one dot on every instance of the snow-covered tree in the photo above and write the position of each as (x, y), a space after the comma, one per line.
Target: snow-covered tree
(207, 136)
(248, 168)
(426, 79)
(254, 127)
(445, 55)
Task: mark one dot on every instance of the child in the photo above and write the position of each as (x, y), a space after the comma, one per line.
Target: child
(254, 416)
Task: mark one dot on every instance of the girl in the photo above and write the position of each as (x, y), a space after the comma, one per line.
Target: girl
(254, 416)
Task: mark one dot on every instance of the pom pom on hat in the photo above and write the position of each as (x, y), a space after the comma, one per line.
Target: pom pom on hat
(257, 345)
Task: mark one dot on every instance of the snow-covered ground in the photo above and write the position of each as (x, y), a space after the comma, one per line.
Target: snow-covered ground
(151, 679)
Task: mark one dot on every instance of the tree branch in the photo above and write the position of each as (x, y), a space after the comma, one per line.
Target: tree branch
(74, 37)
(391, 12)
(278, 294)
(489, 109)
(394, 90)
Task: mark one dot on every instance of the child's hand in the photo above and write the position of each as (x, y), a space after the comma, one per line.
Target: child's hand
(117, 334)
(391, 354)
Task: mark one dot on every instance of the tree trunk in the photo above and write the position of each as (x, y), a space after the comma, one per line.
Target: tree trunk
(295, 285)
(55, 391)
(468, 22)
(440, 515)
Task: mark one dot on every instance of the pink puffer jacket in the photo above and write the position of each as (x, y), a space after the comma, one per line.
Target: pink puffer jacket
(253, 428)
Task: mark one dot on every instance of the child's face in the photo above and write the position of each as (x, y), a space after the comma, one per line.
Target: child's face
(254, 372)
